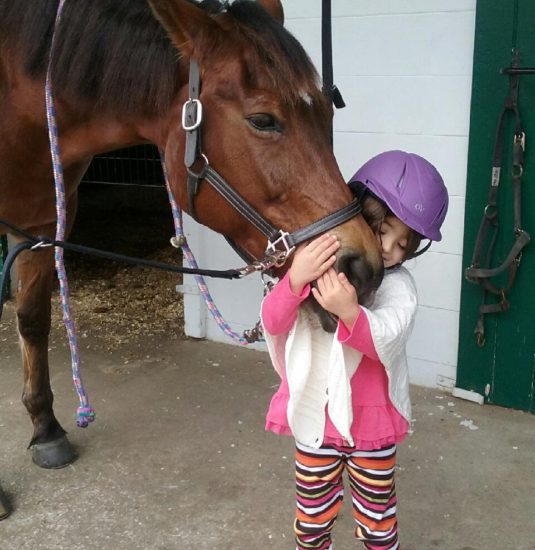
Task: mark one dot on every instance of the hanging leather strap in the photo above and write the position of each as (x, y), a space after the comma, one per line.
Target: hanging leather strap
(192, 117)
(480, 270)
(329, 88)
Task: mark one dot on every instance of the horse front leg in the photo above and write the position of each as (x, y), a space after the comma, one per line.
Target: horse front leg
(35, 271)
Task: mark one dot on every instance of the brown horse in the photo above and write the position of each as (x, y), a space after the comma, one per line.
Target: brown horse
(120, 77)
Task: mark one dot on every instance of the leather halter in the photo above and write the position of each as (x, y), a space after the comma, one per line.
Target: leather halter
(480, 270)
(279, 241)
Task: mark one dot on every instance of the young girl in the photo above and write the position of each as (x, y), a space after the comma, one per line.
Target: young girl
(345, 396)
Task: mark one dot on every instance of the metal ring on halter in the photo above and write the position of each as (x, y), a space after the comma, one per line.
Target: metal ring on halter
(490, 211)
(198, 114)
(517, 170)
(200, 175)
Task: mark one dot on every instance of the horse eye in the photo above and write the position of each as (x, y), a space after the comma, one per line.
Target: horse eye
(264, 122)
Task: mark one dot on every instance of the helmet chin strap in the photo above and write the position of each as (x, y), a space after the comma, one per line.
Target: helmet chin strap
(421, 251)
(412, 256)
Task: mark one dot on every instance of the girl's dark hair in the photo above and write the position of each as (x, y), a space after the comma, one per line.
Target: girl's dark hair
(375, 211)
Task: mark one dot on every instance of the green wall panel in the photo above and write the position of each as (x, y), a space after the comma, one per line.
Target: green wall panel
(504, 368)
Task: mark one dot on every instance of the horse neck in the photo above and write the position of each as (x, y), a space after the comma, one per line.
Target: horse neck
(85, 135)
(89, 132)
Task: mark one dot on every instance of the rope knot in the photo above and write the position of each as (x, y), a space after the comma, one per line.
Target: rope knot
(84, 416)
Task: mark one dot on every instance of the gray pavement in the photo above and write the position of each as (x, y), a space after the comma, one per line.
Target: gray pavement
(178, 459)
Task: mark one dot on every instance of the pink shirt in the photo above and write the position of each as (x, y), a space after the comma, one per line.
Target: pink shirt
(376, 422)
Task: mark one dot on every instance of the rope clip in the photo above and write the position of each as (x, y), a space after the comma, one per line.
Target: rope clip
(254, 334)
(277, 258)
(178, 241)
(41, 244)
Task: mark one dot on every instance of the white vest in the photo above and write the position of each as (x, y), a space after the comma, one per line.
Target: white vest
(319, 368)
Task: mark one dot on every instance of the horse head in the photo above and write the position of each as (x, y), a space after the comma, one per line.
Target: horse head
(266, 129)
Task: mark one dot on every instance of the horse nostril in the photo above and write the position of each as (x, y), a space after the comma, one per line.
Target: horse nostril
(360, 274)
(355, 269)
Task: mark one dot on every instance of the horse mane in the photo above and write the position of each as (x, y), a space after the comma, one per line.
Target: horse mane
(114, 55)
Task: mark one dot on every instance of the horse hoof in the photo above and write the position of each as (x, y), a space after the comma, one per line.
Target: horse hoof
(53, 454)
(4, 510)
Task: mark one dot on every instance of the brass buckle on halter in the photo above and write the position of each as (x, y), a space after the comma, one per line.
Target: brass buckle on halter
(190, 103)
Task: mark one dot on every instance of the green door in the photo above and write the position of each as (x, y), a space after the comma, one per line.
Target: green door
(504, 368)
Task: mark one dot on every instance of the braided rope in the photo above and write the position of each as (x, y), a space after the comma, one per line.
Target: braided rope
(190, 258)
(85, 413)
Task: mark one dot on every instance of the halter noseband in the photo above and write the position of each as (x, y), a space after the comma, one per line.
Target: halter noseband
(280, 243)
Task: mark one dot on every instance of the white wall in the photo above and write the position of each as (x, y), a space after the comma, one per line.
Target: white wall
(405, 71)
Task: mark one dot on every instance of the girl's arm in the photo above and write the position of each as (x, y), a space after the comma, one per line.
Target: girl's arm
(279, 307)
(359, 335)
(382, 331)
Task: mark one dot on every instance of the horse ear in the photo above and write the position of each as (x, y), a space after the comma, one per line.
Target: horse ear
(274, 8)
(188, 26)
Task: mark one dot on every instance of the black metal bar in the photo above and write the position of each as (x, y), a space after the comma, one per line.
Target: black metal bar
(518, 71)
(138, 165)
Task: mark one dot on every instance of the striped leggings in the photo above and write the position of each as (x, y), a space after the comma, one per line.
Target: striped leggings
(320, 492)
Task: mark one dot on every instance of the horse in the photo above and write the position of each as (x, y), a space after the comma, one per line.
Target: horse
(120, 71)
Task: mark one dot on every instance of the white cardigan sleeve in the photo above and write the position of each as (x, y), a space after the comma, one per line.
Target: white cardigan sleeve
(392, 314)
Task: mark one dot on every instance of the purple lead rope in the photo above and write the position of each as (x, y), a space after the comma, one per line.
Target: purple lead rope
(190, 258)
(85, 413)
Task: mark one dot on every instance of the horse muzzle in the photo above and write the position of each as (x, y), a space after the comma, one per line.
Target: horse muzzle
(361, 275)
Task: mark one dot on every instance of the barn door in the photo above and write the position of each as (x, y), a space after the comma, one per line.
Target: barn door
(504, 368)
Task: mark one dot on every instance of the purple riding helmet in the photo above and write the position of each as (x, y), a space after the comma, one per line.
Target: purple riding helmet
(410, 186)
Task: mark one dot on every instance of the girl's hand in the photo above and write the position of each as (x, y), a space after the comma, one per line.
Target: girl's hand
(312, 261)
(338, 296)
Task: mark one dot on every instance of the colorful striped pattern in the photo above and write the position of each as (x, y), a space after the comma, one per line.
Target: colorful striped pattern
(320, 493)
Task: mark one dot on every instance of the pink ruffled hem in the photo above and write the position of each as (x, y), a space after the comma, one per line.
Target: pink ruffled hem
(361, 444)
(374, 427)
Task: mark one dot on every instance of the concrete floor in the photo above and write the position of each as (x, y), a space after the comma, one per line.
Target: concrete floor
(178, 459)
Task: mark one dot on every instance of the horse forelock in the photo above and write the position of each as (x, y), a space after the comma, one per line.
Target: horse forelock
(279, 60)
